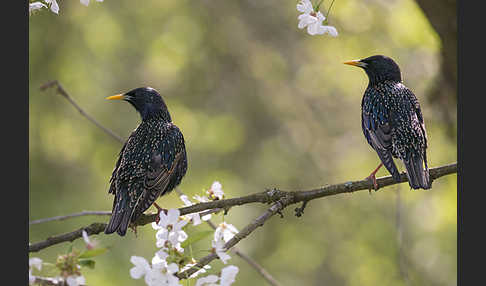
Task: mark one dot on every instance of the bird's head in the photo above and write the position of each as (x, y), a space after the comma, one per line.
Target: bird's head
(379, 68)
(147, 101)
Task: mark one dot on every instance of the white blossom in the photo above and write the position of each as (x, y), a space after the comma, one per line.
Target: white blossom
(34, 262)
(328, 30)
(53, 5)
(141, 267)
(225, 231)
(227, 278)
(196, 219)
(218, 247)
(200, 199)
(203, 199)
(216, 191)
(163, 272)
(209, 280)
(313, 20)
(170, 228)
(75, 280)
(36, 6)
(160, 273)
(228, 275)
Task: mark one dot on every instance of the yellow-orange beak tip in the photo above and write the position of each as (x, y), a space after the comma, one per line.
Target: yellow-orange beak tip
(355, 63)
(118, 96)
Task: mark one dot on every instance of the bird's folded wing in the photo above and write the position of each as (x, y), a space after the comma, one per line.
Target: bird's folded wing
(159, 177)
(380, 134)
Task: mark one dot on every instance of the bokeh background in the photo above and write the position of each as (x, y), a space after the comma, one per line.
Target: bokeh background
(261, 104)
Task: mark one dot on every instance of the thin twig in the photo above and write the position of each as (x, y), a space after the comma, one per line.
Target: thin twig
(274, 209)
(243, 256)
(63, 92)
(48, 281)
(267, 276)
(262, 197)
(63, 217)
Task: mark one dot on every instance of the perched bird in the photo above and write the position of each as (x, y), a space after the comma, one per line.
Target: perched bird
(151, 163)
(392, 121)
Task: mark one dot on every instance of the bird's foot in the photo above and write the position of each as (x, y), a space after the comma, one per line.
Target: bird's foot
(372, 178)
(133, 227)
(159, 210)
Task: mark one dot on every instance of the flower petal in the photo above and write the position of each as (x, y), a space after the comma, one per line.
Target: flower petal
(208, 280)
(172, 268)
(185, 200)
(228, 275)
(36, 262)
(54, 7)
(173, 215)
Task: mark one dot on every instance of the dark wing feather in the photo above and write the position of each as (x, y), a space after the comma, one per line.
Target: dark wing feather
(377, 127)
(152, 163)
(167, 166)
(415, 159)
(113, 174)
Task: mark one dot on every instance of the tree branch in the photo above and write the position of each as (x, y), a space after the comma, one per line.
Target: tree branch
(268, 196)
(243, 256)
(63, 217)
(275, 208)
(62, 92)
(264, 273)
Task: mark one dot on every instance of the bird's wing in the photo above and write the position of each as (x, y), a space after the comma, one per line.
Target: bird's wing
(377, 124)
(159, 176)
(113, 174)
(166, 163)
(376, 121)
(418, 112)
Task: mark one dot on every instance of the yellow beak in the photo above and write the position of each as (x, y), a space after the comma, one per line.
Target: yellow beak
(118, 96)
(356, 63)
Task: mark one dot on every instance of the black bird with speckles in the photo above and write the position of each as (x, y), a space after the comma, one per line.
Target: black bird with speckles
(151, 163)
(392, 121)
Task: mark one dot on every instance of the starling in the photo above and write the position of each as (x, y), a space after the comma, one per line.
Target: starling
(392, 121)
(151, 163)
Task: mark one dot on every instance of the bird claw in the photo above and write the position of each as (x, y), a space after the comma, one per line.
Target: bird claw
(159, 210)
(133, 228)
(372, 178)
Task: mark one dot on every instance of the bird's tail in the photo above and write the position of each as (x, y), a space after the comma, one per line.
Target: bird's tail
(417, 172)
(120, 217)
(387, 160)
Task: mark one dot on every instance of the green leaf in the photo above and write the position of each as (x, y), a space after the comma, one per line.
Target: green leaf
(87, 263)
(196, 237)
(93, 252)
(70, 249)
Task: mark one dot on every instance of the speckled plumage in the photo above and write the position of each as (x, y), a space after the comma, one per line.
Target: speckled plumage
(392, 121)
(151, 163)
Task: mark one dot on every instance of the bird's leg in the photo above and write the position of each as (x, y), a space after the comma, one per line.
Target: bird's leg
(159, 209)
(133, 227)
(373, 178)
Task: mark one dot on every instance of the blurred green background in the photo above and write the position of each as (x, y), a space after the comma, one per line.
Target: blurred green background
(261, 104)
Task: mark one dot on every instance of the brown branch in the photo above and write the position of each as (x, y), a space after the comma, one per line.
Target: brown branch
(269, 196)
(243, 256)
(264, 273)
(47, 281)
(63, 217)
(277, 207)
(93, 228)
(63, 92)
